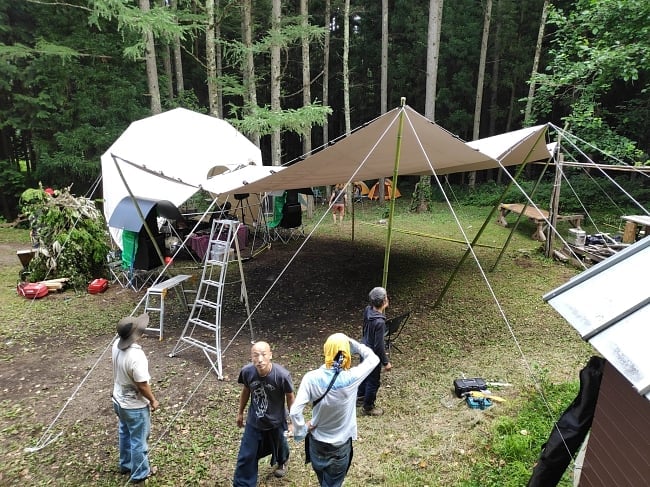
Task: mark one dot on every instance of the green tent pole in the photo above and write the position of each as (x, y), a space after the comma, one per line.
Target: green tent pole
(485, 223)
(391, 210)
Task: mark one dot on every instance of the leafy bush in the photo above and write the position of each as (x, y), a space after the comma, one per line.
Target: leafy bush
(69, 235)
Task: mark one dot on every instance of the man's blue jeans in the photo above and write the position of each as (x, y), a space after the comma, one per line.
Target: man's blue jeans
(133, 432)
(256, 444)
(331, 463)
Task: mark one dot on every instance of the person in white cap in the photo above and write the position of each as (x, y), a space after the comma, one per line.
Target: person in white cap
(133, 399)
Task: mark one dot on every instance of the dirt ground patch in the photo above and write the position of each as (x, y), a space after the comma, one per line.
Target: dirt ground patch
(66, 364)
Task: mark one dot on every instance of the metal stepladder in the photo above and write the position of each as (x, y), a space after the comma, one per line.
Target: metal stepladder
(205, 314)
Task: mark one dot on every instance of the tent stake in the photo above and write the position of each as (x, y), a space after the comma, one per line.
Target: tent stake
(391, 210)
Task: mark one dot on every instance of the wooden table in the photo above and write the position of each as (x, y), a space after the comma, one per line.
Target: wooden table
(538, 216)
(633, 226)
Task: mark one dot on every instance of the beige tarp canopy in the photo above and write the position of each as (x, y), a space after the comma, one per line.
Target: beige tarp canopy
(426, 148)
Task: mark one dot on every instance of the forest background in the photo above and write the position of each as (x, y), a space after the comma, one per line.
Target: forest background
(74, 74)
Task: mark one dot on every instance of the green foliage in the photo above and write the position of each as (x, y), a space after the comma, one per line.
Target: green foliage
(598, 68)
(514, 443)
(70, 234)
(264, 120)
(580, 192)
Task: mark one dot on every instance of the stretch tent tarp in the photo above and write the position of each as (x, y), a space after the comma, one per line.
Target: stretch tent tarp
(173, 155)
(165, 164)
(369, 153)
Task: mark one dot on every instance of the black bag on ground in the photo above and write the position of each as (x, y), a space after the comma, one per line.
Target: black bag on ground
(463, 386)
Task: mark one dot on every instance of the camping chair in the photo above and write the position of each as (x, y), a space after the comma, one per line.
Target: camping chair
(273, 224)
(115, 268)
(394, 328)
(135, 278)
(291, 222)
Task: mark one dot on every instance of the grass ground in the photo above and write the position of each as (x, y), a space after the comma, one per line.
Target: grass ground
(490, 324)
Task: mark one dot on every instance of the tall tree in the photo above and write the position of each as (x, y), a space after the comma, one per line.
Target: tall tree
(433, 51)
(326, 65)
(306, 73)
(178, 60)
(211, 60)
(346, 67)
(384, 79)
(276, 14)
(150, 59)
(250, 86)
(478, 105)
(536, 58)
(598, 90)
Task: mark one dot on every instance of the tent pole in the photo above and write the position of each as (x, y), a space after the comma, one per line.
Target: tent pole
(485, 223)
(554, 204)
(137, 208)
(391, 210)
(353, 212)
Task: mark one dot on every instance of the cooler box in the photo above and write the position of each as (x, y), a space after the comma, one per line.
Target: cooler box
(97, 286)
(32, 290)
(576, 237)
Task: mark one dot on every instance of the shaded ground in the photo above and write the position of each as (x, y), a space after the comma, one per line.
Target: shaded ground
(323, 291)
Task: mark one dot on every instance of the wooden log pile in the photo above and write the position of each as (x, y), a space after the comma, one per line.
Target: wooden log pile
(55, 284)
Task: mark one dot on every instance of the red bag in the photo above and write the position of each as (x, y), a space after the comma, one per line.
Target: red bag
(32, 290)
(98, 286)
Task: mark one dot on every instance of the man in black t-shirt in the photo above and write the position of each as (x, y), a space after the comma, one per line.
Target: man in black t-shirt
(268, 386)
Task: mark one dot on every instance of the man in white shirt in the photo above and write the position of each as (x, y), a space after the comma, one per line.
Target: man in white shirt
(332, 391)
(133, 399)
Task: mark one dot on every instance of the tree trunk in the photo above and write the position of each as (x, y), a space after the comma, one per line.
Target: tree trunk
(326, 65)
(217, 59)
(306, 74)
(178, 60)
(494, 82)
(210, 60)
(538, 53)
(433, 51)
(276, 13)
(250, 86)
(384, 79)
(150, 59)
(480, 81)
(169, 75)
(346, 70)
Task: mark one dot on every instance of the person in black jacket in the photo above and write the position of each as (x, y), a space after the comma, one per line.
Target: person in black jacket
(374, 329)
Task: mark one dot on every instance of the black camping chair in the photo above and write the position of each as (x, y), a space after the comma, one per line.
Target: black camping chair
(291, 218)
(394, 328)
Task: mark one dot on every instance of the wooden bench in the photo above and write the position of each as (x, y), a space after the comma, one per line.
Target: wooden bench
(538, 216)
(159, 291)
(634, 224)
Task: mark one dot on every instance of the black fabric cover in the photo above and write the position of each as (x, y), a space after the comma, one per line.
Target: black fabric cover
(570, 430)
(126, 217)
(291, 211)
(291, 216)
